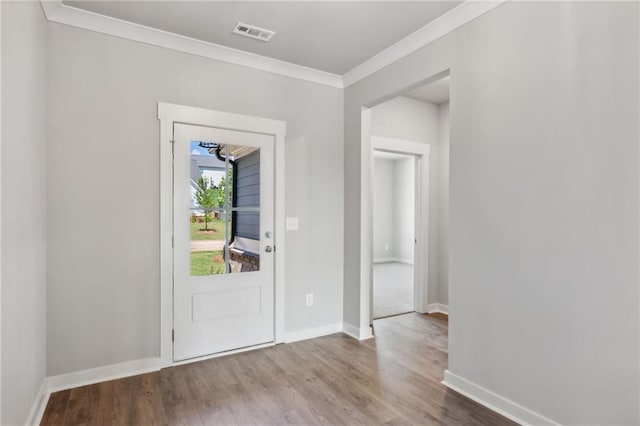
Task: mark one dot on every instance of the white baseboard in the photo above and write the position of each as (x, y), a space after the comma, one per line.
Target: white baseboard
(393, 259)
(437, 307)
(356, 332)
(351, 330)
(147, 365)
(218, 355)
(312, 333)
(103, 374)
(495, 402)
(39, 404)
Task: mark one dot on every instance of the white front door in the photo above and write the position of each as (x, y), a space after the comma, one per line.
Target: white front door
(223, 240)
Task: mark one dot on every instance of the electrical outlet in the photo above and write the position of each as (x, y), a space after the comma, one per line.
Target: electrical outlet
(309, 299)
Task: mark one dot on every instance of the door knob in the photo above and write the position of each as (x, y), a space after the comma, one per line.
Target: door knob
(268, 249)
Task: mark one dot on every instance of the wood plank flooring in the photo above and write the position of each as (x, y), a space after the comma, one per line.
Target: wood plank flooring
(393, 379)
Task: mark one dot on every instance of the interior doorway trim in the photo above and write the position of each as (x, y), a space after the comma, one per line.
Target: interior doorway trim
(168, 114)
(421, 284)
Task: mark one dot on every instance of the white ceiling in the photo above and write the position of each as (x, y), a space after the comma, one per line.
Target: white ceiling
(331, 36)
(435, 93)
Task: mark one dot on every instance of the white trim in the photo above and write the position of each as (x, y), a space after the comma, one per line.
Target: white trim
(103, 374)
(312, 333)
(58, 12)
(168, 114)
(1, 244)
(39, 404)
(437, 307)
(444, 24)
(493, 401)
(393, 259)
(221, 354)
(362, 333)
(351, 330)
(280, 232)
(403, 146)
(366, 223)
(384, 260)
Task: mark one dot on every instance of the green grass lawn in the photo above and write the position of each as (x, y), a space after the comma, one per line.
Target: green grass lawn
(216, 230)
(206, 263)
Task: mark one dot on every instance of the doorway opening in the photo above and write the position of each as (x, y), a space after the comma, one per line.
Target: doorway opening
(394, 183)
(405, 129)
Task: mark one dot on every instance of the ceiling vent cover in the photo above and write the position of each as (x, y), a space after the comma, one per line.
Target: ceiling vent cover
(253, 32)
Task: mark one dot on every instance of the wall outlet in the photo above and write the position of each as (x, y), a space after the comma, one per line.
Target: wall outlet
(292, 224)
(309, 299)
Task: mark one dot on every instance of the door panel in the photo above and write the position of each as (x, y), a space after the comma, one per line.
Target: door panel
(223, 232)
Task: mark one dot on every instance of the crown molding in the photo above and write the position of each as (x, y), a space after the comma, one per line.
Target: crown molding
(448, 22)
(58, 12)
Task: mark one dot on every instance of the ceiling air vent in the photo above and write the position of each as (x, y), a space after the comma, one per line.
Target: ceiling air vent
(253, 32)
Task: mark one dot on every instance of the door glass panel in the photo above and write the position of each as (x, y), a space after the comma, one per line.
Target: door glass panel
(207, 242)
(225, 208)
(208, 220)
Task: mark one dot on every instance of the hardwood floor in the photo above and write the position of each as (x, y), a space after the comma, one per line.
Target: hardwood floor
(393, 379)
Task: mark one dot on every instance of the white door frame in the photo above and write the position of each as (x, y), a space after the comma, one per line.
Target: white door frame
(421, 276)
(420, 153)
(172, 113)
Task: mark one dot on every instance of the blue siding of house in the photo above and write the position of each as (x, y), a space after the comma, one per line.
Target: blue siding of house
(247, 194)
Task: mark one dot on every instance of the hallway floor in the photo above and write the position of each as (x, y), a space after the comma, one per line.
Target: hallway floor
(393, 379)
(392, 289)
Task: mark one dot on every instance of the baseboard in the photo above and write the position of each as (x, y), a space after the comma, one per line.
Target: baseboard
(103, 374)
(312, 333)
(437, 307)
(356, 332)
(147, 365)
(39, 404)
(495, 402)
(351, 330)
(393, 259)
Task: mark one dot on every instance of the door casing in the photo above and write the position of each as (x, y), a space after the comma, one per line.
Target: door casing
(420, 153)
(168, 114)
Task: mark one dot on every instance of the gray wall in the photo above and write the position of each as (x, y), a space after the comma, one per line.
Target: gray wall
(24, 208)
(405, 118)
(393, 209)
(404, 195)
(543, 204)
(383, 209)
(104, 284)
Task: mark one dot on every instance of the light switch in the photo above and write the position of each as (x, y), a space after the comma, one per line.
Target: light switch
(292, 224)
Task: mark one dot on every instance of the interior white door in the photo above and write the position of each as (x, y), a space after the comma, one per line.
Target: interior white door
(223, 240)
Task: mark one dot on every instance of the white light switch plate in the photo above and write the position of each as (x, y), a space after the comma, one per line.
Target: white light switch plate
(292, 224)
